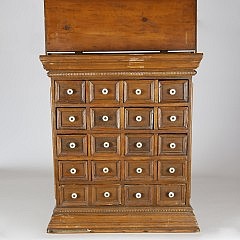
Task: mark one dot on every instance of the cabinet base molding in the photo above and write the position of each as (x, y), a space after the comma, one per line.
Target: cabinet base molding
(120, 220)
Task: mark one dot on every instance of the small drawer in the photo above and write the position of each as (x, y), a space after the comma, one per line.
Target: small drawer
(71, 145)
(139, 118)
(105, 144)
(105, 118)
(104, 91)
(172, 170)
(173, 91)
(141, 91)
(136, 195)
(173, 117)
(139, 144)
(106, 170)
(71, 118)
(106, 195)
(73, 170)
(139, 170)
(73, 195)
(70, 92)
(171, 195)
(172, 144)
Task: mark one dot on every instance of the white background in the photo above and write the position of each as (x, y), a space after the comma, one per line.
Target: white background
(26, 193)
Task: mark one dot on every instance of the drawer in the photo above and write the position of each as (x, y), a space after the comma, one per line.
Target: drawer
(173, 117)
(175, 170)
(139, 118)
(71, 118)
(73, 170)
(105, 144)
(105, 170)
(140, 91)
(73, 195)
(139, 144)
(104, 91)
(173, 91)
(106, 195)
(172, 144)
(137, 195)
(171, 195)
(69, 92)
(71, 145)
(105, 118)
(139, 170)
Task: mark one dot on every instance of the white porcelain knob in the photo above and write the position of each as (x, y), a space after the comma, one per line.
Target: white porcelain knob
(173, 118)
(138, 91)
(171, 194)
(172, 145)
(70, 91)
(138, 195)
(107, 194)
(105, 170)
(72, 145)
(104, 91)
(105, 118)
(73, 171)
(171, 170)
(106, 144)
(139, 145)
(172, 91)
(138, 118)
(139, 170)
(71, 119)
(74, 195)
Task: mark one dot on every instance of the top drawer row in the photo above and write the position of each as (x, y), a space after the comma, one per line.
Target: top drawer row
(132, 91)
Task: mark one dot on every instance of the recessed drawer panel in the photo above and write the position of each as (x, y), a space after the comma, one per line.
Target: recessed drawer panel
(106, 195)
(171, 195)
(73, 195)
(73, 170)
(172, 144)
(105, 118)
(173, 117)
(71, 145)
(173, 91)
(71, 118)
(139, 170)
(70, 92)
(139, 118)
(105, 144)
(104, 91)
(139, 144)
(141, 91)
(136, 195)
(105, 170)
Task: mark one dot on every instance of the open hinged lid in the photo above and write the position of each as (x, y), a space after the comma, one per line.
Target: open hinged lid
(120, 25)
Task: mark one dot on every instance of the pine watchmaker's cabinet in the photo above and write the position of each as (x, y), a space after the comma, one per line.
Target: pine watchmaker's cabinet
(121, 122)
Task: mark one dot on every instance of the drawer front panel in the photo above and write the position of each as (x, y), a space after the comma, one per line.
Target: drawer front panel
(106, 170)
(70, 92)
(106, 195)
(105, 118)
(71, 145)
(71, 118)
(173, 91)
(136, 195)
(172, 144)
(139, 118)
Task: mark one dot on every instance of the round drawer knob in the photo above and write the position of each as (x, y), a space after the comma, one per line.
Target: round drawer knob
(173, 118)
(72, 145)
(105, 170)
(171, 170)
(70, 91)
(172, 145)
(104, 91)
(105, 118)
(138, 91)
(106, 194)
(139, 145)
(71, 119)
(138, 118)
(74, 195)
(106, 144)
(138, 195)
(172, 91)
(139, 170)
(171, 194)
(73, 171)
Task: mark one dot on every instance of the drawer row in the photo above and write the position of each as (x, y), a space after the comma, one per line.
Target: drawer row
(127, 195)
(134, 118)
(128, 170)
(130, 91)
(119, 144)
